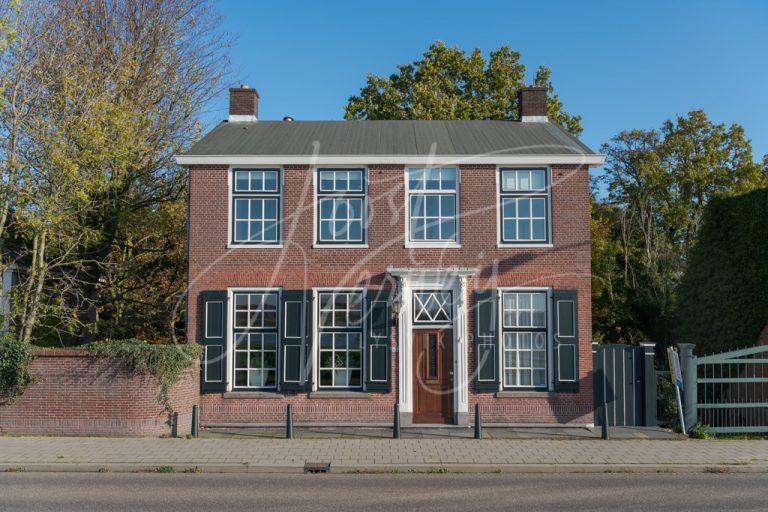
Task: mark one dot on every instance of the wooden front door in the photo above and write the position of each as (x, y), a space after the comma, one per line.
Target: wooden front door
(433, 376)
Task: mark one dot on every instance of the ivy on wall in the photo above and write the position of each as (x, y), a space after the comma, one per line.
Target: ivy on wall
(165, 362)
(723, 296)
(15, 357)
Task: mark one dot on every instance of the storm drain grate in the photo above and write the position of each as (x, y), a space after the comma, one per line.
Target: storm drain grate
(317, 467)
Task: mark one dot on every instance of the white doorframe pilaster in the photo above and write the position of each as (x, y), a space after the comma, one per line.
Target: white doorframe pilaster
(454, 280)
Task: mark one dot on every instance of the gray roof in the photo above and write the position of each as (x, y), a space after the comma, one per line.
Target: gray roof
(388, 138)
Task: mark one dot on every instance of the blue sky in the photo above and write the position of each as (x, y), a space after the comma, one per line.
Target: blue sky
(619, 66)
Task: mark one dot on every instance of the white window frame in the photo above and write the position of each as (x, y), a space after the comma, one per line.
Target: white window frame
(230, 332)
(547, 194)
(550, 354)
(256, 330)
(231, 244)
(317, 330)
(432, 323)
(318, 194)
(432, 244)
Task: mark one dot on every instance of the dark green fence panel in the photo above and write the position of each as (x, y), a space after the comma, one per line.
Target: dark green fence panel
(622, 379)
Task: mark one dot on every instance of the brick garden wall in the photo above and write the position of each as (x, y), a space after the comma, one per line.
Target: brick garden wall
(77, 394)
(301, 266)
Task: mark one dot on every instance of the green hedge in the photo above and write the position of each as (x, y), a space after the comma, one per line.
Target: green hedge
(723, 296)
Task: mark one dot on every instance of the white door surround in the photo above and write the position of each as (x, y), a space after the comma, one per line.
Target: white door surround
(447, 279)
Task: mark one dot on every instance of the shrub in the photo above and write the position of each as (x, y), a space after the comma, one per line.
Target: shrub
(700, 431)
(164, 362)
(15, 357)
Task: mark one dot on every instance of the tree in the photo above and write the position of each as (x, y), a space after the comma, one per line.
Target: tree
(114, 89)
(446, 83)
(660, 182)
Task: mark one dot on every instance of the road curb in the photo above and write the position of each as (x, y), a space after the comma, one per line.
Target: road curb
(384, 468)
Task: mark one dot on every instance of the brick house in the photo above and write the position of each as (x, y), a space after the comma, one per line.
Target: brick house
(344, 267)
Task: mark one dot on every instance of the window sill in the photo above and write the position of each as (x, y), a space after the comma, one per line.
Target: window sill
(254, 246)
(525, 394)
(432, 245)
(524, 246)
(252, 394)
(327, 395)
(339, 246)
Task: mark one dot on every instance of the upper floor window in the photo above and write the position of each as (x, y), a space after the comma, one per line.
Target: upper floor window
(256, 206)
(525, 339)
(524, 206)
(433, 205)
(341, 206)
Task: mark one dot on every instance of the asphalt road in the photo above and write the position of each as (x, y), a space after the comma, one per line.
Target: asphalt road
(443, 492)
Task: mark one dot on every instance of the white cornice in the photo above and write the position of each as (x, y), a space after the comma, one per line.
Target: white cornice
(234, 160)
(431, 272)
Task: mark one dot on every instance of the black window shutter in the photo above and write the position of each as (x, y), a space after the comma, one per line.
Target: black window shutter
(293, 337)
(486, 341)
(566, 336)
(378, 374)
(213, 322)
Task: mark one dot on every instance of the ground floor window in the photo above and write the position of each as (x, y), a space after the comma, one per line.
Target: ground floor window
(255, 339)
(341, 343)
(525, 339)
(340, 359)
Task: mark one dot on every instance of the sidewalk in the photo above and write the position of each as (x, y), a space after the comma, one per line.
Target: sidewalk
(379, 455)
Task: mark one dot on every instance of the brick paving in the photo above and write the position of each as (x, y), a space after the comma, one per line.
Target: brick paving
(61, 453)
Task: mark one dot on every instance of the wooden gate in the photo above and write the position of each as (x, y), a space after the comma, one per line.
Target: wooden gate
(624, 376)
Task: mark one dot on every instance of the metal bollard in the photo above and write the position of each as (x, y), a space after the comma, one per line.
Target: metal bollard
(195, 421)
(605, 420)
(396, 425)
(175, 424)
(289, 422)
(478, 423)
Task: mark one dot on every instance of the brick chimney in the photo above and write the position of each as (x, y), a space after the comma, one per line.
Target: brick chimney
(243, 104)
(532, 104)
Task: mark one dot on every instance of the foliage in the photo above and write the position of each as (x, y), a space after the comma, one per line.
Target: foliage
(699, 431)
(165, 362)
(99, 98)
(658, 183)
(15, 357)
(446, 83)
(614, 320)
(723, 296)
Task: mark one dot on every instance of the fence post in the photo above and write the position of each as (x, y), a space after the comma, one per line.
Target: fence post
(688, 367)
(478, 422)
(396, 424)
(649, 391)
(604, 407)
(289, 421)
(195, 421)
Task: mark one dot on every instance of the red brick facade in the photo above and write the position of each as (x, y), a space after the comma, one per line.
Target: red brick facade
(77, 394)
(565, 266)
